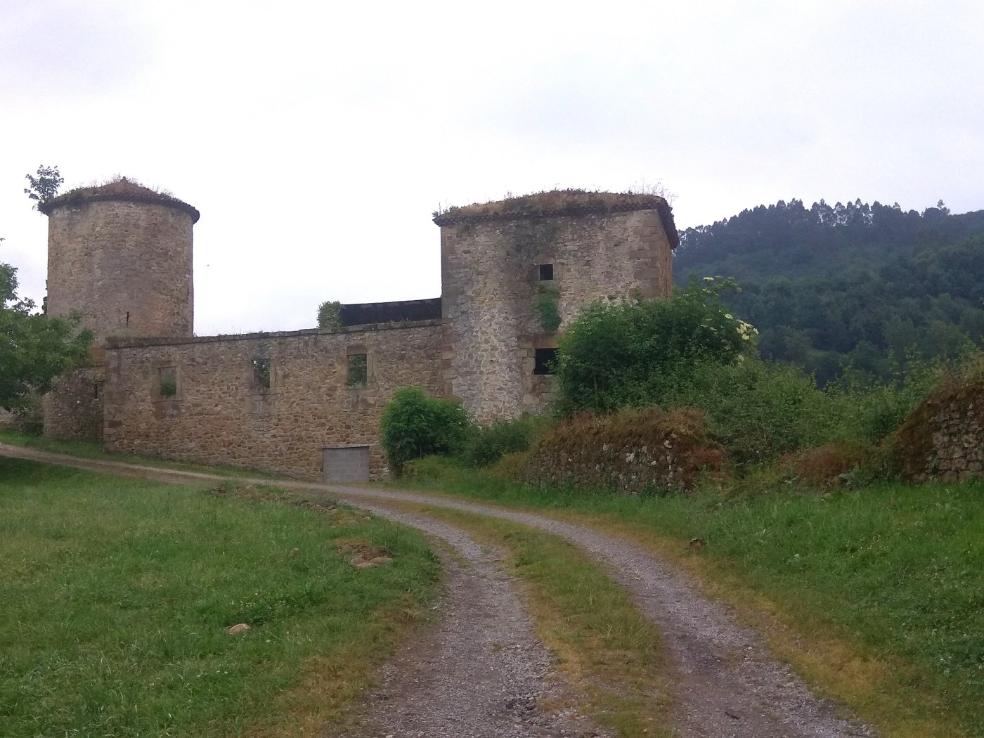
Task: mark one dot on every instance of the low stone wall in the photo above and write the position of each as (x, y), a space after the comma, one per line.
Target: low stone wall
(631, 452)
(222, 411)
(944, 437)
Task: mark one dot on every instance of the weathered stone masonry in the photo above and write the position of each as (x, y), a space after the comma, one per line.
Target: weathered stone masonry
(221, 414)
(490, 284)
(121, 255)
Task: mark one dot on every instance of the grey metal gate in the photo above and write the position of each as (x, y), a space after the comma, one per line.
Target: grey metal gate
(345, 463)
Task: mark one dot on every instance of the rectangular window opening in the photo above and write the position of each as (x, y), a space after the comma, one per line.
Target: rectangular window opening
(358, 370)
(261, 372)
(545, 272)
(167, 381)
(544, 360)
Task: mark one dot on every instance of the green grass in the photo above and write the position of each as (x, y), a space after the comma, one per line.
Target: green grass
(95, 450)
(609, 653)
(116, 595)
(882, 589)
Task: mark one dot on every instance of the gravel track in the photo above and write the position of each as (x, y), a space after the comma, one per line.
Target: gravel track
(481, 672)
(727, 682)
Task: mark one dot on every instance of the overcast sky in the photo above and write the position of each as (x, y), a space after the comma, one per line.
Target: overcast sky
(316, 138)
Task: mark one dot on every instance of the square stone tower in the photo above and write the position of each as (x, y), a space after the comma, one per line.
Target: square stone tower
(514, 273)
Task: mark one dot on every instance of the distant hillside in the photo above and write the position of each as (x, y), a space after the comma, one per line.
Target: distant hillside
(856, 285)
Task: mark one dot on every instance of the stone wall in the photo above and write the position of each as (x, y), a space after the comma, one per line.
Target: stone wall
(222, 414)
(125, 266)
(944, 437)
(633, 452)
(490, 285)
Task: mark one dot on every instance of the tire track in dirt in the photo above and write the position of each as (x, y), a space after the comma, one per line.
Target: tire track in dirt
(481, 671)
(727, 682)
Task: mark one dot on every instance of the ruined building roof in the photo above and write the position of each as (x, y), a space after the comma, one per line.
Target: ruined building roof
(561, 202)
(119, 190)
(390, 312)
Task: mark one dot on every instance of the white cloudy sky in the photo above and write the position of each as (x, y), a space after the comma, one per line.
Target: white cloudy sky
(316, 137)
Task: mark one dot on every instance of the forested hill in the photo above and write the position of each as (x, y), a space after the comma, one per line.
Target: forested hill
(791, 240)
(856, 285)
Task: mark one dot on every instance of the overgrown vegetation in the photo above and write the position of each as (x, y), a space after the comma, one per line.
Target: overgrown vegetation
(168, 387)
(117, 595)
(690, 352)
(34, 348)
(330, 315)
(416, 425)
(44, 185)
(547, 309)
(634, 353)
(556, 202)
(485, 445)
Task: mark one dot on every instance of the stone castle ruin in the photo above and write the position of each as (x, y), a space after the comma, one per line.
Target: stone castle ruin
(308, 403)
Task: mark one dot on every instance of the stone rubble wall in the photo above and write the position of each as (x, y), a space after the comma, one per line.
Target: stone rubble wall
(944, 437)
(222, 415)
(633, 452)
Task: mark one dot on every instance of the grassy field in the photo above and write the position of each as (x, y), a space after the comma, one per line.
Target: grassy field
(608, 651)
(876, 595)
(95, 450)
(116, 595)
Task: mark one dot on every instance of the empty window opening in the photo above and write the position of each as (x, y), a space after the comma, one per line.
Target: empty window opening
(128, 317)
(95, 390)
(167, 381)
(358, 370)
(544, 360)
(545, 272)
(261, 373)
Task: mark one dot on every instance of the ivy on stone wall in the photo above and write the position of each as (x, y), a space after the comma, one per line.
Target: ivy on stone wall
(546, 306)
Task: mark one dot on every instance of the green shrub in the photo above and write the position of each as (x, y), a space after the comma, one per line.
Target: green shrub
(330, 315)
(871, 410)
(757, 410)
(416, 425)
(486, 445)
(635, 353)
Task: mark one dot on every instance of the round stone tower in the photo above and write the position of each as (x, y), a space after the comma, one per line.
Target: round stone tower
(119, 255)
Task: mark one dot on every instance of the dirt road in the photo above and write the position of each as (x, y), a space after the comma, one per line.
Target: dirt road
(727, 682)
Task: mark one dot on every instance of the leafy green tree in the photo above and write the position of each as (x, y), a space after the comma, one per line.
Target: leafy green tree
(34, 348)
(44, 185)
(330, 315)
(633, 353)
(415, 425)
